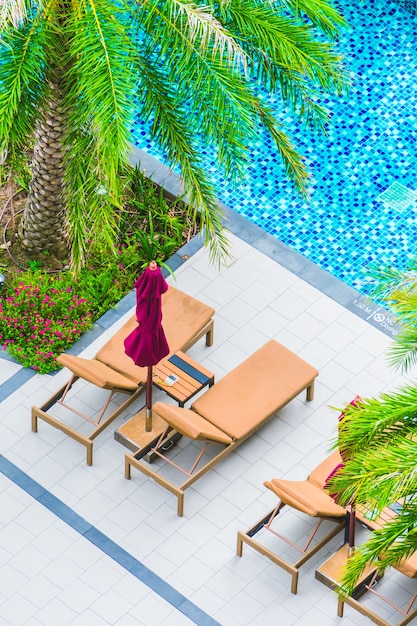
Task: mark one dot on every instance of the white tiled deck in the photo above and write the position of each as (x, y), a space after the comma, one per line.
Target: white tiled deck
(57, 569)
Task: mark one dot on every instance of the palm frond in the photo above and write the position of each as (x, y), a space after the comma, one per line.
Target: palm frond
(188, 68)
(98, 99)
(402, 354)
(373, 421)
(227, 106)
(293, 161)
(224, 113)
(203, 203)
(397, 290)
(386, 280)
(388, 546)
(321, 13)
(286, 60)
(378, 439)
(175, 134)
(286, 43)
(22, 79)
(197, 27)
(379, 476)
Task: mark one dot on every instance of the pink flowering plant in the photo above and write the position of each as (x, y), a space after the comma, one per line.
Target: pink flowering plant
(39, 321)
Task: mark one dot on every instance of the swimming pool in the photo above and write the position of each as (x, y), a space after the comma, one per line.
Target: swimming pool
(361, 211)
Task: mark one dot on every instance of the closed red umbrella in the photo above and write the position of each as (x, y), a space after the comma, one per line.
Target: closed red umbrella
(147, 344)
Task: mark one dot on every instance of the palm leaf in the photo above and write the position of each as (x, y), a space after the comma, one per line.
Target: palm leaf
(98, 100)
(13, 13)
(321, 13)
(394, 542)
(23, 53)
(190, 69)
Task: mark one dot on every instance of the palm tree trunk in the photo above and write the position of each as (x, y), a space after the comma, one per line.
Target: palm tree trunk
(44, 223)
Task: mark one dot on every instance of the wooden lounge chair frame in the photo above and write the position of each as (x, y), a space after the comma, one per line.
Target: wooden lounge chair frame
(41, 413)
(365, 610)
(407, 567)
(185, 319)
(231, 411)
(193, 474)
(309, 549)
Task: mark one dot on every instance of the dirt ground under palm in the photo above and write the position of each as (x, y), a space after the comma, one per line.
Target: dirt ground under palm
(13, 255)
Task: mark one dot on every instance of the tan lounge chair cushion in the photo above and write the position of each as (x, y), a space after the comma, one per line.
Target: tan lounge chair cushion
(182, 318)
(320, 474)
(190, 424)
(408, 566)
(96, 372)
(255, 389)
(305, 497)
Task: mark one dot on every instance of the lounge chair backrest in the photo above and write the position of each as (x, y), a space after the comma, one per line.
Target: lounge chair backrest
(190, 424)
(269, 379)
(305, 497)
(408, 566)
(96, 372)
(323, 470)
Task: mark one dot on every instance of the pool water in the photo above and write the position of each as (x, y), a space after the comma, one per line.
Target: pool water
(363, 199)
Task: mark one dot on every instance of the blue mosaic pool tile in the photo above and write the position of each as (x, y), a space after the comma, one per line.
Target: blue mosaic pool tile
(371, 144)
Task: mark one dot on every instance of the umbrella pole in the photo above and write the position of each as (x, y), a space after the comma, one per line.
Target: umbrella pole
(148, 425)
(352, 521)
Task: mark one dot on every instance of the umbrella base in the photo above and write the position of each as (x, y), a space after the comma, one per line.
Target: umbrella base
(134, 436)
(331, 571)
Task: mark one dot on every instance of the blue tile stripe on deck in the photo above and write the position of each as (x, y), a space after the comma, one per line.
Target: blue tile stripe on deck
(105, 544)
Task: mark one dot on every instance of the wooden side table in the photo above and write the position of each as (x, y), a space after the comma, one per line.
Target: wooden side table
(191, 377)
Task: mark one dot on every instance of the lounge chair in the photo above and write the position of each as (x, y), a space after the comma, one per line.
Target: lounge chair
(229, 412)
(185, 321)
(309, 497)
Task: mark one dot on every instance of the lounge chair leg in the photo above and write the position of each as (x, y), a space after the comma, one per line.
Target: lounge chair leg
(34, 422)
(210, 336)
(310, 392)
(294, 582)
(239, 546)
(89, 447)
(128, 472)
(180, 506)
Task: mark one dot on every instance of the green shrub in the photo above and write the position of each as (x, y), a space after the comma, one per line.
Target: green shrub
(42, 314)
